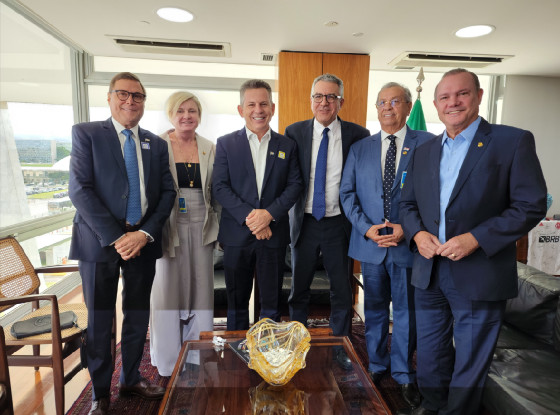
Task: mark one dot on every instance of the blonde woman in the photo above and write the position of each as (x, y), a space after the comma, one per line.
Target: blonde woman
(182, 299)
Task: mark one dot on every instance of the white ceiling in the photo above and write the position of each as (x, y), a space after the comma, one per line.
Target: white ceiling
(526, 29)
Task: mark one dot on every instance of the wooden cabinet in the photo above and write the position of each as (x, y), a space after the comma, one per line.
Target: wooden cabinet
(296, 72)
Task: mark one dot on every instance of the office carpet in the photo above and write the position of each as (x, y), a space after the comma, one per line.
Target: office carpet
(130, 405)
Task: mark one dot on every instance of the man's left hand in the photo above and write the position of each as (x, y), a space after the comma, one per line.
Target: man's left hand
(130, 244)
(258, 220)
(458, 247)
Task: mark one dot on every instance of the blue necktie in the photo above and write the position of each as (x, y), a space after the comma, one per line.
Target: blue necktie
(389, 176)
(134, 206)
(319, 206)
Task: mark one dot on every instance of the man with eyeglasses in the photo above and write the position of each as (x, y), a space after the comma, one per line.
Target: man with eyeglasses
(469, 195)
(317, 223)
(123, 192)
(370, 192)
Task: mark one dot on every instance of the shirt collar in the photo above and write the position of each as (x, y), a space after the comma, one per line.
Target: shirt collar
(333, 126)
(252, 136)
(401, 134)
(468, 133)
(119, 127)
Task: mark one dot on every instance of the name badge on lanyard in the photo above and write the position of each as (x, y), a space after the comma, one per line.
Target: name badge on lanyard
(182, 205)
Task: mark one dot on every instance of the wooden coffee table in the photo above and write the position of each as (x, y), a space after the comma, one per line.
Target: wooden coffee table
(209, 381)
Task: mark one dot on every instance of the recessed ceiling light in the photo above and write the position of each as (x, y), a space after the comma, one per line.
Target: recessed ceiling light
(174, 14)
(475, 31)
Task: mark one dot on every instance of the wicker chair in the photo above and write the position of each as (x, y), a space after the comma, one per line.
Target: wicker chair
(19, 284)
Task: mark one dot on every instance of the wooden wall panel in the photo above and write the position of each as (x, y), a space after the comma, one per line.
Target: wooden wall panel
(354, 72)
(296, 72)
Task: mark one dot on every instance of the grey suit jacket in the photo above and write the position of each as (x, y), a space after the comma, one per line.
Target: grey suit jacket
(206, 153)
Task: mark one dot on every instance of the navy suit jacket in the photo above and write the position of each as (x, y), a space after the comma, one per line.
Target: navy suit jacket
(499, 195)
(98, 188)
(361, 194)
(234, 186)
(302, 133)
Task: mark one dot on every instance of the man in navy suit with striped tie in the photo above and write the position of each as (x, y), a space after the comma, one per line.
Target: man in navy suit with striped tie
(123, 192)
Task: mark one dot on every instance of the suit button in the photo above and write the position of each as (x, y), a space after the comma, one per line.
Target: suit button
(123, 197)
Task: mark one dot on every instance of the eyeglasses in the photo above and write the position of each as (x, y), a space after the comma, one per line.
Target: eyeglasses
(123, 95)
(318, 98)
(394, 103)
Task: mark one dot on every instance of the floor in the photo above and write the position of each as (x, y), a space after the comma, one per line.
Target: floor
(33, 390)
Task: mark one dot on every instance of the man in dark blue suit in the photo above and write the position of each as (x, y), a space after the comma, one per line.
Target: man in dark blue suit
(256, 179)
(317, 223)
(469, 195)
(123, 192)
(370, 192)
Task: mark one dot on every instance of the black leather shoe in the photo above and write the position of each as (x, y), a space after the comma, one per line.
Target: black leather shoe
(411, 395)
(99, 407)
(143, 389)
(416, 411)
(375, 376)
(343, 360)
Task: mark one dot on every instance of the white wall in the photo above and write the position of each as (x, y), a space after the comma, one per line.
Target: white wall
(533, 103)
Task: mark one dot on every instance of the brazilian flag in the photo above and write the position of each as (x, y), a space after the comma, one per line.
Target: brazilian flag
(416, 119)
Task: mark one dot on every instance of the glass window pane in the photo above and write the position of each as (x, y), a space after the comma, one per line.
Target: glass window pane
(36, 116)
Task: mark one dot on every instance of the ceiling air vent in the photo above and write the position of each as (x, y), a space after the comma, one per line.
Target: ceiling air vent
(173, 47)
(444, 60)
(268, 57)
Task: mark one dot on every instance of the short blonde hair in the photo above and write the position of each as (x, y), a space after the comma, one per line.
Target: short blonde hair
(176, 100)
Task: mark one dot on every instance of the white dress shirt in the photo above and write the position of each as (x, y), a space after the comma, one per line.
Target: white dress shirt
(334, 167)
(259, 153)
(399, 141)
(122, 139)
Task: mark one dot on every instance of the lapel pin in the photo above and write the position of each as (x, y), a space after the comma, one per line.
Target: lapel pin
(271, 153)
(404, 152)
(147, 139)
(480, 144)
(281, 155)
(406, 148)
(145, 146)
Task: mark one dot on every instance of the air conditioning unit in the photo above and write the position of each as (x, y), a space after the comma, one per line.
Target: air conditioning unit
(411, 60)
(172, 47)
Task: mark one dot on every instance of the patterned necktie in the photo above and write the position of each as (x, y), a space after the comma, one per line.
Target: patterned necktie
(319, 206)
(134, 206)
(389, 176)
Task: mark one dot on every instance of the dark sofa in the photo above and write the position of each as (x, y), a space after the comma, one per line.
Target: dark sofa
(320, 294)
(524, 377)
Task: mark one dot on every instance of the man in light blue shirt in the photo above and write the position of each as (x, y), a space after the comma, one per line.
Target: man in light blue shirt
(469, 195)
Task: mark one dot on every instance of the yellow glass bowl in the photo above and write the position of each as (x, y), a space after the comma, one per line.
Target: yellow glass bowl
(277, 350)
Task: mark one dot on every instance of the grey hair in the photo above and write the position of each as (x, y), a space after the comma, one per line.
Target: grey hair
(328, 77)
(407, 94)
(254, 84)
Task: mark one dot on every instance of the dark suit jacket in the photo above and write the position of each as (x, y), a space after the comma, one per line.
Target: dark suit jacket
(98, 188)
(361, 193)
(234, 186)
(500, 195)
(302, 133)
